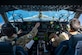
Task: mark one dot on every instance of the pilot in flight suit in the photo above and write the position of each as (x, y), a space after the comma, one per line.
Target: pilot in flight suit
(9, 31)
(72, 30)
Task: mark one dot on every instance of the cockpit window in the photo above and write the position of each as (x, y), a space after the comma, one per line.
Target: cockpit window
(23, 15)
(80, 19)
(1, 20)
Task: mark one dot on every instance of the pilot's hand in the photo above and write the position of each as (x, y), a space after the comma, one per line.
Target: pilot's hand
(20, 31)
(52, 35)
(37, 25)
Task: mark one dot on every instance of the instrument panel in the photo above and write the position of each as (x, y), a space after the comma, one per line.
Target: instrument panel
(42, 41)
(45, 27)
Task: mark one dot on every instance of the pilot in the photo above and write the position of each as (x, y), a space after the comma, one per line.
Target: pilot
(73, 27)
(9, 31)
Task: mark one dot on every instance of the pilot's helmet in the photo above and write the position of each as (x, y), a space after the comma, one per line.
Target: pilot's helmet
(8, 29)
(74, 24)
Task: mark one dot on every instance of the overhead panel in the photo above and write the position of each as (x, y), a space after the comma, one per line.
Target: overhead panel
(5, 8)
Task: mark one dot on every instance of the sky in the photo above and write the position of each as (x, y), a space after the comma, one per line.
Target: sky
(80, 19)
(1, 20)
(48, 13)
(26, 14)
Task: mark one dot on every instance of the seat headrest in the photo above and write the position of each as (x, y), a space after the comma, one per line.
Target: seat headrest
(74, 39)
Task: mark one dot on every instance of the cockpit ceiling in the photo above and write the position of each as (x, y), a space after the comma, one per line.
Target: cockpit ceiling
(5, 8)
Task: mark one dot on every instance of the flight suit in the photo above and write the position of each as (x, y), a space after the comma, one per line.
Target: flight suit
(21, 41)
(26, 38)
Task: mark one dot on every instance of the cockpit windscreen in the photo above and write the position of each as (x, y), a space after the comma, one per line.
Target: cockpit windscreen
(23, 15)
